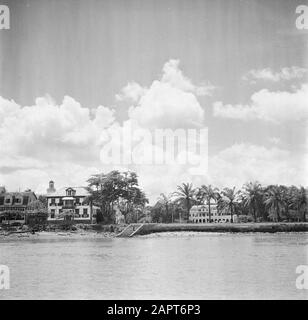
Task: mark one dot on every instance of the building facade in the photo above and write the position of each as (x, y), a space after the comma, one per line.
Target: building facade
(14, 205)
(69, 204)
(200, 214)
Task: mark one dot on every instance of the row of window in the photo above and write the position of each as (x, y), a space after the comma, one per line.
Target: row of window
(11, 200)
(212, 220)
(59, 201)
(77, 213)
(205, 214)
(12, 209)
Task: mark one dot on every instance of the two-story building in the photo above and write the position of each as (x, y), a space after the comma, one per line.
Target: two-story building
(200, 214)
(14, 205)
(70, 203)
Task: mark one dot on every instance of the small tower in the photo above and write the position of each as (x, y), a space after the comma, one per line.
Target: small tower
(51, 188)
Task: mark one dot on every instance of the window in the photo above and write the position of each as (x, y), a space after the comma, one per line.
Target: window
(52, 213)
(52, 201)
(85, 213)
(77, 215)
(25, 200)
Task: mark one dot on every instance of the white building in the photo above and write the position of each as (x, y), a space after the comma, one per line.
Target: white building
(200, 214)
(68, 204)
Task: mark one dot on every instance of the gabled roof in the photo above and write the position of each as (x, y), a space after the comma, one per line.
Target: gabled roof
(80, 192)
(27, 197)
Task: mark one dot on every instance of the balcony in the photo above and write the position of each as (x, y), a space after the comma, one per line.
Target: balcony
(68, 206)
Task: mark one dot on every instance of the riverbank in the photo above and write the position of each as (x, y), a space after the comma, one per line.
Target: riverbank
(111, 231)
(225, 227)
(57, 232)
(41, 235)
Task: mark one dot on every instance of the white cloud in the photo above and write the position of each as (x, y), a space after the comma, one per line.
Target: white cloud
(240, 163)
(170, 102)
(132, 90)
(278, 106)
(49, 131)
(268, 74)
(46, 140)
(63, 141)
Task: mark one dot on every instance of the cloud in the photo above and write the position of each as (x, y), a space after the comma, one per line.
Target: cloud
(49, 131)
(64, 141)
(277, 107)
(240, 163)
(132, 91)
(49, 141)
(268, 74)
(169, 102)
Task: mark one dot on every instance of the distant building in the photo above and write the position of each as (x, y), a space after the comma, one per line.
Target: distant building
(200, 214)
(13, 205)
(69, 204)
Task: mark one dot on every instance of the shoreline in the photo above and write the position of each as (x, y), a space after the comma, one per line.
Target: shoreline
(262, 227)
(97, 232)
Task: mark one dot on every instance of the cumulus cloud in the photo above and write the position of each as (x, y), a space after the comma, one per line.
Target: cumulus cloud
(132, 91)
(170, 102)
(267, 74)
(64, 142)
(277, 106)
(47, 140)
(244, 162)
(48, 131)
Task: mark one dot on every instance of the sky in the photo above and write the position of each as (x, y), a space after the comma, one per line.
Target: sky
(72, 71)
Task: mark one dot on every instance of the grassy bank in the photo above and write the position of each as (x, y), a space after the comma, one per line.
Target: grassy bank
(225, 227)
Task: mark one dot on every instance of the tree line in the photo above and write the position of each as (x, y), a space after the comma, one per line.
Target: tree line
(253, 202)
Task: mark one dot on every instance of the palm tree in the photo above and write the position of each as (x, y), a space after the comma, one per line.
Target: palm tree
(252, 197)
(166, 202)
(185, 193)
(228, 200)
(299, 198)
(209, 193)
(274, 200)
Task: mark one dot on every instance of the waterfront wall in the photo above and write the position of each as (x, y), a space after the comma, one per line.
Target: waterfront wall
(224, 227)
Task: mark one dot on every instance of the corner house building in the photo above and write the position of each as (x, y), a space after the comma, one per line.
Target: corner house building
(69, 204)
(200, 214)
(14, 206)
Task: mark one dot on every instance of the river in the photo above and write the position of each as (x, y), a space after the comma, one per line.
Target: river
(162, 266)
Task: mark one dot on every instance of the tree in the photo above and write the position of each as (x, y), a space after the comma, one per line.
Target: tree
(252, 197)
(115, 188)
(274, 200)
(228, 200)
(185, 193)
(299, 201)
(208, 193)
(165, 201)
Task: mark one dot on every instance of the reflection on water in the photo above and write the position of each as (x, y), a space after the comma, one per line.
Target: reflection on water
(172, 266)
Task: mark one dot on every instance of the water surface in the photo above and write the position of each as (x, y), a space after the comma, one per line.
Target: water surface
(169, 266)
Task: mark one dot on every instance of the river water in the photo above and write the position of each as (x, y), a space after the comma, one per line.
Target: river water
(164, 266)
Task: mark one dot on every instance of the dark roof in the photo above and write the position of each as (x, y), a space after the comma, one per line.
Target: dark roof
(27, 197)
